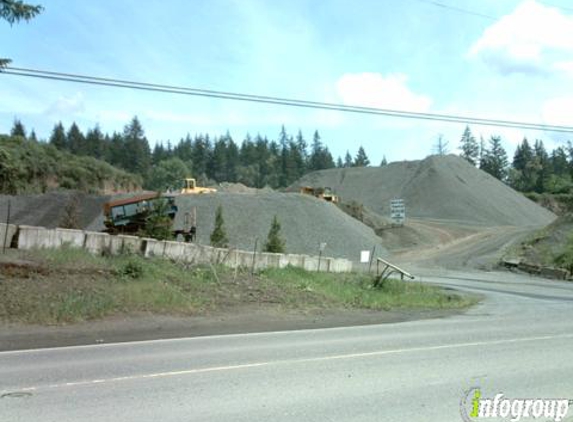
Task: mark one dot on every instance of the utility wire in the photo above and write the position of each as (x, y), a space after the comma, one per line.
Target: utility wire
(119, 83)
(458, 9)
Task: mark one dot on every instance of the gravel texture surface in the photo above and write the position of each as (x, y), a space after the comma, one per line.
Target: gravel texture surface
(438, 187)
(305, 221)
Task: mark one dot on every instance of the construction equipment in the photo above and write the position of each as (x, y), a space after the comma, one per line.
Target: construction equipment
(325, 193)
(190, 188)
(130, 215)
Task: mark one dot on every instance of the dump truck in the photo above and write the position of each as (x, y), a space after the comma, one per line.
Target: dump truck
(190, 188)
(130, 215)
(325, 193)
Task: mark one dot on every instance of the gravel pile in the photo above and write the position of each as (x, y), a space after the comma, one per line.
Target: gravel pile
(438, 187)
(305, 221)
(47, 210)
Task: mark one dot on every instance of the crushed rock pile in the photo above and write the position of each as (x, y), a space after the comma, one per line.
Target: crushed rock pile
(48, 210)
(438, 187)
(305, 222)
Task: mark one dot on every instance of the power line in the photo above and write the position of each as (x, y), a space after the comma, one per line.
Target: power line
(568, 9)
(459, 9)
(170, 89)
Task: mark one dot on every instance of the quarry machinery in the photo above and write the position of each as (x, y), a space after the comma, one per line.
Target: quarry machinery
(325, 193)
(190, 188)
(130, 215)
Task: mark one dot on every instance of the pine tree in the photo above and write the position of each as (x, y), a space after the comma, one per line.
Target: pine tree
(95, 143)
(14, 11)
(469, 147)
(275, 243)
(495, 159)
(137, 158)
(384, 162)
(18, 129)
(339, 162)
(219, 236)
(348, 159)
(58, 137)
(361, 159)
(76, 140)
(441, 146)
(542, 165)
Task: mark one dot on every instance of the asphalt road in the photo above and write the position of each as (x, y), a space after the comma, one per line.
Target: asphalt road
(518, 342)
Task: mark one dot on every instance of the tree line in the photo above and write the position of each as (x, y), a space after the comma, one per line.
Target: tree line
(255, 162)
(532, 168)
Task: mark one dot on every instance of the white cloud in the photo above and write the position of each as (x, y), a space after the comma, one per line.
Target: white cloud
(67, 105)
(379, 91)
(534, 39)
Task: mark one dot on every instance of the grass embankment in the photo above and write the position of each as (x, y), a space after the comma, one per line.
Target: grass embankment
(63, 286)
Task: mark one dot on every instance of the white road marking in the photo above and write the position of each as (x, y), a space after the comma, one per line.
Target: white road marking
(292, 361)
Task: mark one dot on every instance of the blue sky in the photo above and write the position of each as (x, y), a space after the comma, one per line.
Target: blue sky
(400, 54)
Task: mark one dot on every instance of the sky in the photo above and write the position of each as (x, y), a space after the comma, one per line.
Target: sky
(500, 59)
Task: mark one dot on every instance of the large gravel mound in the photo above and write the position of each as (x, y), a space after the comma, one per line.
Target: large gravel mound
(438, 187)
(47, 210)
(305, 220)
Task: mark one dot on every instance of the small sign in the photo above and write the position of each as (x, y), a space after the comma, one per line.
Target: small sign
(364, 256)
(397, 211)
(322, 246)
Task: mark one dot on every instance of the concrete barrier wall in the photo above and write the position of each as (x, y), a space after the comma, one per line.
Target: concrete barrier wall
(7, 233)
(29, 237)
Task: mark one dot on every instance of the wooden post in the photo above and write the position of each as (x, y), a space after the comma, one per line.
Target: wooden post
(6, 232)
(254, 256)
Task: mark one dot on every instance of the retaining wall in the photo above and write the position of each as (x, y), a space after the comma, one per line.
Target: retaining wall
(29, 237)
(7, 233)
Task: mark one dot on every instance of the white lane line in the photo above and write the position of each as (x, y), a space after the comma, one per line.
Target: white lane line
(293, 361)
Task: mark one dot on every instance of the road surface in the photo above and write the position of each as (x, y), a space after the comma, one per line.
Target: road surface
(518, 342)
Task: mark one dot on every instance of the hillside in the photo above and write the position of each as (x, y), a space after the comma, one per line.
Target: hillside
(438, 187)
(28, 166)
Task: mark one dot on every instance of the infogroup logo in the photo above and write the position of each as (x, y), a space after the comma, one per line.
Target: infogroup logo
(474, 407)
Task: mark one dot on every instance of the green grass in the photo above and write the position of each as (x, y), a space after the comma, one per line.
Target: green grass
(356, 290)
(71, 285)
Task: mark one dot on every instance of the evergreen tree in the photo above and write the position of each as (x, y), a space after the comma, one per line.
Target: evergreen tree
(136, 148)
(301, 147)
(33, 136)
(524, 172)
(219, 161)
(219, 236)
(275, 243)
(18, 129)
(95, 143)
(58, 137)
(495, 160)
(339, 163)
(76, 140)
(469, 147)
(232, 159)
(384, 162)
(441, 146)
(361, 159)
(559, 164)
(14, 11)
(347, 159)
(543, 166)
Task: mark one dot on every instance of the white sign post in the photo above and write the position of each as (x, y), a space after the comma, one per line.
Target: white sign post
(397, 211)
(364, 256)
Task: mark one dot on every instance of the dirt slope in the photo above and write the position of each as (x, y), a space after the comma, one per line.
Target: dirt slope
(438, 187)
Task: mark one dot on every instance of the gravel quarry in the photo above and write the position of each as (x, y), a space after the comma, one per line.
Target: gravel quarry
(447, 201)
(438, 188)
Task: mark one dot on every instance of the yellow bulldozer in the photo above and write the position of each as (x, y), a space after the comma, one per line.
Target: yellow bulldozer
(325, 193)
(190, 188)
